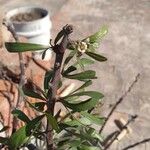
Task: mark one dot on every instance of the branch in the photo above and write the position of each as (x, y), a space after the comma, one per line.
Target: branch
(10, 27)
(118, 133)
(119, 102)
(59, 49)
(137, 144)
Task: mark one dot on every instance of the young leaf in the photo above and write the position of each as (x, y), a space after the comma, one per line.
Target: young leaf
(95, 38)
(18, 138)
(96, 56)
(89, 74)
(22, 47)
(21, 115)
(53, 122)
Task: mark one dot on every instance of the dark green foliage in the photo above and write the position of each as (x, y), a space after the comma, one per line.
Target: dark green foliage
(21, 115)
(22, 47)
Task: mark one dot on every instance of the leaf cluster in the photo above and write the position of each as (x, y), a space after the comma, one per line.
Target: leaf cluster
(75, 130)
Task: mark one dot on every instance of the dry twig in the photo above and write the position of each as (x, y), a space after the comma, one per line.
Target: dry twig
(119, 102)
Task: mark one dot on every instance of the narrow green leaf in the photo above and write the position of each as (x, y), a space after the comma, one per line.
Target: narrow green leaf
(18, 138)
(91, 131)
(69, 69)
(96, 56)
(82, 106)
(33, 124)
(89, 74)
(21, 115)
(29, 92)
(98, 35)
(93, 118)
(4, 129)
(53, 122)
(73, 123)
(22, 47)
(74, 143)
(85, 61)
(93, 94)
(86, 84)
(47, 79)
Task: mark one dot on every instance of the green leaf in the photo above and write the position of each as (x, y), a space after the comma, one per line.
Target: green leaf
(85, 61)
(98, 35)
(22, 47)
(93, 118)
(78, 122)
(93, 94)
(74, 143)
(73, 123)
(96, 56)
(29, 92)
(33, 124)
(92, 132)
(4, 129)
(47, 79)
(82, 106)
(89, 74)
(69, 69)
(52, 121)
(21, 115)
(18, 138)
(92, 47)
(86, 84)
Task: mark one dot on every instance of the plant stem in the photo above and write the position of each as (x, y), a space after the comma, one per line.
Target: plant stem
(59, 49)
(10, 27)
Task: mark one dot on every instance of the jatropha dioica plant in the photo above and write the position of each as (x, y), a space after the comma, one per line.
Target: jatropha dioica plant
(76, 129)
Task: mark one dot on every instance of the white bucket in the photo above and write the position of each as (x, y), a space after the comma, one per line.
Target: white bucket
(36, 31)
